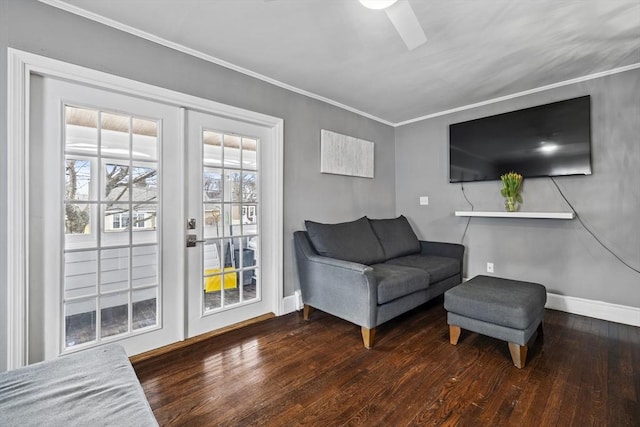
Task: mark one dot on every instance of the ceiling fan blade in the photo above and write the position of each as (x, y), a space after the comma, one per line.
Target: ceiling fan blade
(406, 22)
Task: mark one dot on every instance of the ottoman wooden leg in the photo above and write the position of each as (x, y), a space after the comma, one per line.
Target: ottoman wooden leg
(454, 334)
(518, 354)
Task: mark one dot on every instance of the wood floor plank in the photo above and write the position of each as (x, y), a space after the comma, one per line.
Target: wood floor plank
(622, 402)
(587, 357)
(288, 371)
(394, 399)
(568, 356)
(380, 361)
(634, 344)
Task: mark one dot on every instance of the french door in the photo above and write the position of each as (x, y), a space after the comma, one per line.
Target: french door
(225, 210)
(103, 245)
(118, 186)
(225, 207)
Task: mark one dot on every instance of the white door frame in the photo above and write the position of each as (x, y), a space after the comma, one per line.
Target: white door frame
(21, 65)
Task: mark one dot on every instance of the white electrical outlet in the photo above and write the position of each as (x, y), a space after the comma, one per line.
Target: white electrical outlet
(489, 267)
(424, 200)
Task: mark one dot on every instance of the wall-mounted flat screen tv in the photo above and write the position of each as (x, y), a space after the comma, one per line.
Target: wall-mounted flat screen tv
(546, 140)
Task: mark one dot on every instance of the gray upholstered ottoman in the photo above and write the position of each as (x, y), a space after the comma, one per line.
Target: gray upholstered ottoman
(505, 309)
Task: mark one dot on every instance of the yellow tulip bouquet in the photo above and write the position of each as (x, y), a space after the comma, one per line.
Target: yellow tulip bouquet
(511, 186)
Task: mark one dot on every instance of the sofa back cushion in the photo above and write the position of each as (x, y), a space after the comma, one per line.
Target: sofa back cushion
(352, 241)
(396, 236)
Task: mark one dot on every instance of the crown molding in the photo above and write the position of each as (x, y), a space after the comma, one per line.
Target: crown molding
(523, 93)
(59, 4)
(209, 58)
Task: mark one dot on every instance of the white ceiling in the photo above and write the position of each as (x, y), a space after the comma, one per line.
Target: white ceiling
(477, 50)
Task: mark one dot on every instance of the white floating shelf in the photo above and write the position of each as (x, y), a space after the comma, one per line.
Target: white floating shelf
(504, 214)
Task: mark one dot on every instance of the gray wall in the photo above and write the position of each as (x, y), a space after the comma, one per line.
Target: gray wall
(34, 27)
(558, 253)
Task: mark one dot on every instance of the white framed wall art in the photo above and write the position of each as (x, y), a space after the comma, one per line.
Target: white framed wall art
(346, 155)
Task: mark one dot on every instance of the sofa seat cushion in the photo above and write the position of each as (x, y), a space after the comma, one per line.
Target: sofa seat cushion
(396, 236)
(395, 281)
(438, 267)
(352, 241)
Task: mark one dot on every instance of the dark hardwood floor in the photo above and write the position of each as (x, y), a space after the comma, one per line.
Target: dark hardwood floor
(285, 372)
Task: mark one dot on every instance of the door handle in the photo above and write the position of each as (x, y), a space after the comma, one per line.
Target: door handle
(192, 239)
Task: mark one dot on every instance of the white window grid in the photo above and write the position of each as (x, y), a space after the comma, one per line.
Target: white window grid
(228, 208)
(92, 241)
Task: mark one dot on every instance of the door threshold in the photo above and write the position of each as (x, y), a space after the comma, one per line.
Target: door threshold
(198, 338)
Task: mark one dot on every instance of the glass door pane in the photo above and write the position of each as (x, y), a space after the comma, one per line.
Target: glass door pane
(225, 200)
(104, 170)
(111, 262)
(230, 216)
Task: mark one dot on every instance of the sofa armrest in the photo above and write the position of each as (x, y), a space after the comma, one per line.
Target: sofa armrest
(451, 250)
(338, 263)
(345, 289)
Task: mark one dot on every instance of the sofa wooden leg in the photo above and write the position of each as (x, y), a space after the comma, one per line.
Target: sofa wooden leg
(518, 354)
(306, 311)
(454, 334)
(368, 336)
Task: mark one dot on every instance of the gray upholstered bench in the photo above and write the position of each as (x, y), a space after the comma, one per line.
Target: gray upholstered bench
(505, 309)
(95, 387)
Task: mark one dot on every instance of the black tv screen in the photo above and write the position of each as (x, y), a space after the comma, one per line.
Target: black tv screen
(547, 140)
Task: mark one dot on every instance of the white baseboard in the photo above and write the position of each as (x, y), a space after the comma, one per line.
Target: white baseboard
(292, 303)
(597, 309)
(583, 307)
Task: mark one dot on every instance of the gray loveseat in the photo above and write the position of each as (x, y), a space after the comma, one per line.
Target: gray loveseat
(369, 271)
